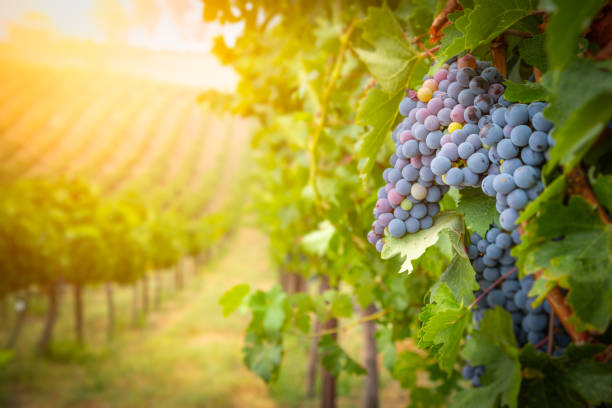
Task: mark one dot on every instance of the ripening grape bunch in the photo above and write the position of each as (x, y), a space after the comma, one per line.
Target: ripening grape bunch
(459, 131)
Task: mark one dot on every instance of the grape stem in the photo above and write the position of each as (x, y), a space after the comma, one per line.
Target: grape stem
(547, 339)
(564, 312)
(490, 288)
(578, 185)
(339, 329)
(441, 20)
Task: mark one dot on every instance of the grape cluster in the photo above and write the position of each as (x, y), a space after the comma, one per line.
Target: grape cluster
(491, 259)
(445, 113)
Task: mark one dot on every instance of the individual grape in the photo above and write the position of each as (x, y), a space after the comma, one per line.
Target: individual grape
(484, 103)
(474, 140)
(467, 372)
(464, 75)
(517, 199)
(424, 149)
(379, 245)
(520, 299)
(418, 211)
(479, 85)
(403, 187)
(401, 214)
(394, 197)
(517, 114)
(516, 237)
(453, 90)
(406, 205)
(450, 102)
(471, 114)
(433, 139)
(531, 157)
(500, 207)
(467, 61)
(475, 238)
(457, 114)
(418, 191)
(426, 222)
(433, 209)
(499, 117)
(433, 195)
(482, 245)
(496, 298)
(406, 105)
(440, 75)
(541, 123)
(385, 218)
(510, 287)
(465, 150)
(538, 141)
(424, 94)
(525, 177)
(383, 205)
(382, 193)
(425, 174)
(503, 240)
(536, 322)
(458, 136)
(491, 134)
(506, 149)
(507, 131)
(504, 102)
(472, 252)
(410, 173)
(509, 166)
(470, 178)
(507, 219)
(502, 198)
(454, 126)
(373, 237)
(534, 108)
(453, 177)
(426, 160)
(490, 274)
(494, 252)
(432, 123)
(393, 159)
(520, 135)
(419, 131)
(410, 148)
(487, 185)
(535, 191)
(394, 175)
(503, 183)
(397, 228)
(444, 116)
(507, 259)
(422, 114)
(449, 150)
(412, 225)
(434, 105)
(492, 234)
(492, 75)
(405, 136)
(466, 97)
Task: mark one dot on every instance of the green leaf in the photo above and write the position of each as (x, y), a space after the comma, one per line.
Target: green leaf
(274, 316)
(263, 360)
(568, 21)
(602, 187)
(532, 50)
(478, 210)
(335, 360)
(526, 92)
(460, 278)
(444, 321)
(580, 261)
(377, 111)
(414, 245)
(495, 347)
(392, 58)
(317, 241)
(553, 192)
(573, 380)
(231, 300)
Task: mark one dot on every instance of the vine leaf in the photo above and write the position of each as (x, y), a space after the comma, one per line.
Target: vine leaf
(414, 245)
(580, 111)
(602, 187)
(567, 381)
(573, 247)
(532, 50)
(444, 321)
(552, 192)
(317, 241)
(526, 92)
(335, 360)
(495, 347)
(377, 111)
(478, 210)
(568, 21)
(460, 278)
(392, 58)
(231, 300)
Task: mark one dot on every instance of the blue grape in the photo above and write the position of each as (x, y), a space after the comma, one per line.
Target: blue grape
(503, 183)
(541, 123)
(492, 234)
(531, 157)
(510, 287)
(394, 175)
(412, 225)
(484, 102)
(494, 252)
(379, 245)
(503, 240)
(491, 274)
(534, 108)
(382, 193)
(419, 210)
(507, 259)
(420, 131)
(562, 339)
(440, 165)
(470, 178)
(517, 114)
(393, 159)
(472, 252)
(520, 135)
(403, 187)
(535, 191)
(433, 195)
(536, 322)
(410, 173)
(406, 105)
(424, 149)
(509, 166)
(410, 148)
(529, 306)
(506, 149)
(507, 219)
(494, 156)
(535, 337)
(491, 134)
(373, 237)
(517, 199)
(482, 245)
(426, 222)
(449, 150)
(453, 177)
(397, 228)
(464, 75)
(502, 199)
(499, 117)
(474, 238)
(479, 85)
(426, 174)
(478, 265)
(474, 140)
(465, 150)
(458, 136)
(491, 74)
(467, 372)
(487, 185)
(520, 299)
(454, 89)
(496, 298)
(538, 141)
(433, 139)
(433, 208)
(525, 177)
(401, 214)
(516, 237)
(470, 128)
(478, 163)
(466, 97)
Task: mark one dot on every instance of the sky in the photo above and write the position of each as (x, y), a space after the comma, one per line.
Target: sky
(154, 25)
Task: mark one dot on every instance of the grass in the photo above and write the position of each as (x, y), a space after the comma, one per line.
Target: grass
(184, 355)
